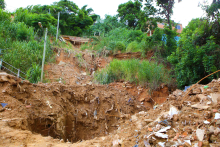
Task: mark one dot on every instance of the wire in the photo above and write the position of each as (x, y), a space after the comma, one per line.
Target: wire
(198, 83)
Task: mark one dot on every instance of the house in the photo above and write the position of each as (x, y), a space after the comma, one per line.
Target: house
(179, 28)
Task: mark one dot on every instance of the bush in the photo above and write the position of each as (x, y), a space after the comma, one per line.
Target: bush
(118, 39)
(120, 46)
(133, 47)
(195, 58)
(143, 72)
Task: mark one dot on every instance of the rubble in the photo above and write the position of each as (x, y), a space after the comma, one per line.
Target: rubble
(186, 119)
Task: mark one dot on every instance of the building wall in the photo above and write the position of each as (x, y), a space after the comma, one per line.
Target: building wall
(179, 27)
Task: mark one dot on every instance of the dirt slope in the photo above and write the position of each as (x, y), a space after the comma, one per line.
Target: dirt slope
(69, 69)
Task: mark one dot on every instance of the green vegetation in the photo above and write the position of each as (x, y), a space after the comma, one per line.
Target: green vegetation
(198, 53)
(195, 56)
(129, 13)
(23, 50)
(73, 20)
(2, 4)
(143, 72)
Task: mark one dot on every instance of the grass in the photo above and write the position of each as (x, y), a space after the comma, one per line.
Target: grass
(144, 72)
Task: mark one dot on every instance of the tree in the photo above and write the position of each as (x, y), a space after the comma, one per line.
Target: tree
(73, 20)
(167, 6)
(2, 4)
(129, 13)
(197, 54)
(151, 15)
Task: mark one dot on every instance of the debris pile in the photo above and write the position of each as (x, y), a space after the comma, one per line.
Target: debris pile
(193, 121)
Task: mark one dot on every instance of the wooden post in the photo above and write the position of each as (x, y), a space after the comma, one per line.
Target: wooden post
(45, 43)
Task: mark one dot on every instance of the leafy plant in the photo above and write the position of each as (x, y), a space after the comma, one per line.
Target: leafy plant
(197, 53)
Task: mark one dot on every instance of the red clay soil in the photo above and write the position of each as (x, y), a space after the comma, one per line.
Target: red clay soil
(70, 71)
(135, 55)
(61, 111)
(68, 114)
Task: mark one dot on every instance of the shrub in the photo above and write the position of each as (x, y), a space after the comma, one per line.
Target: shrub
(120, 46)
(195, 58)
(143, 72)
(133, 47)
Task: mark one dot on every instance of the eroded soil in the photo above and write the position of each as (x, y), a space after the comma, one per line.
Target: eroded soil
(71, 113)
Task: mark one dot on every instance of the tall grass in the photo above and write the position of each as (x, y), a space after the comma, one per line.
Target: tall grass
(144, 72)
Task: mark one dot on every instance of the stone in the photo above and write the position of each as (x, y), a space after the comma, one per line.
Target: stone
(202, 97)
(196, 91)
(215, 97)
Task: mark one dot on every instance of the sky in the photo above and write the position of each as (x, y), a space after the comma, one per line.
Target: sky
(183, 11)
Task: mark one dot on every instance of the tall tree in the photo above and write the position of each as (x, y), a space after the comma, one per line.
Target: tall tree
(73, 20)
(129, 13)
(2, 4)
(167, 6)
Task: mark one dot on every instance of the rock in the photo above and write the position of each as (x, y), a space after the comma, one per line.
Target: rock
(211, 129)
(172, 97)
(186, 144)
(62, 63)
(202, 97)
(200, 134)
(84, 74)
(200, 106)
(215, 97)
(196, 91)
(178, 92)
(217, 131)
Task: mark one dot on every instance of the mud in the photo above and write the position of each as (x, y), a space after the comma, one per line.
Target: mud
(71, 113)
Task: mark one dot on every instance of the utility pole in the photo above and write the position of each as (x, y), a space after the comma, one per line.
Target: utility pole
(42, 70)
(58, 25)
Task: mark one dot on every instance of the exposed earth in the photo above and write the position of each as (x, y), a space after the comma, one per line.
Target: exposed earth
(73, 110)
